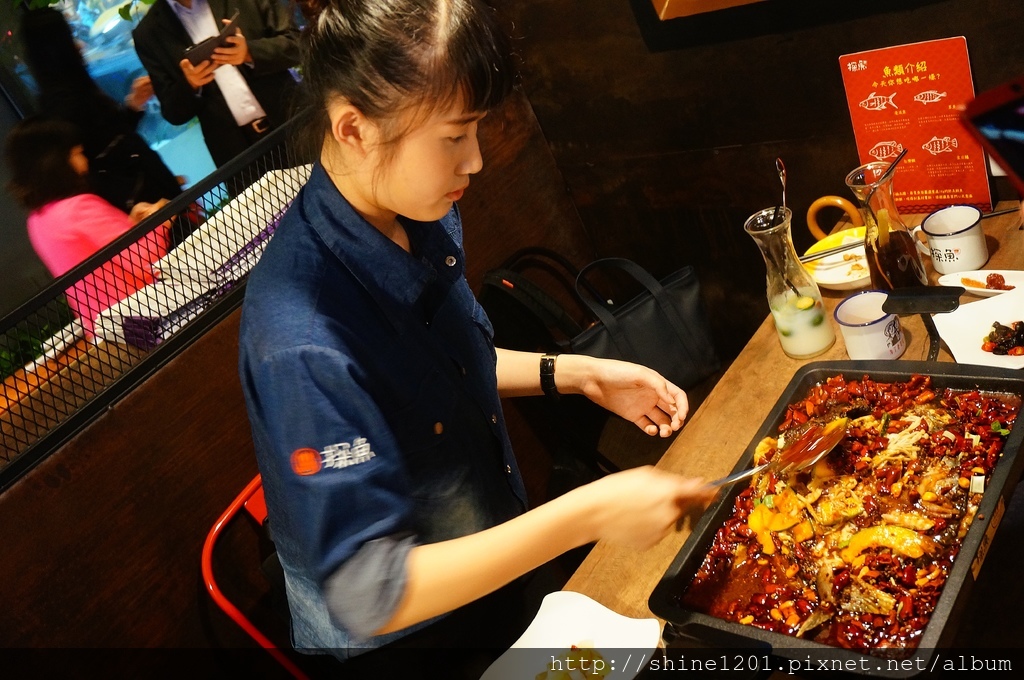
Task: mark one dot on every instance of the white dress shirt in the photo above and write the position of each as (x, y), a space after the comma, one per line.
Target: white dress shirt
(199, 24)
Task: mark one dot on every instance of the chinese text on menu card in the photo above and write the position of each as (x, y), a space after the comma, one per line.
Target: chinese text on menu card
(911, 96)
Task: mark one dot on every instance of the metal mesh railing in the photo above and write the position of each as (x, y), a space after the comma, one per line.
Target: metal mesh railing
(101, 328)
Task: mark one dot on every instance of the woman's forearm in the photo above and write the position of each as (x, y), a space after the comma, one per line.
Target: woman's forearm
(444, 576)
(519, 373)
(635, 508)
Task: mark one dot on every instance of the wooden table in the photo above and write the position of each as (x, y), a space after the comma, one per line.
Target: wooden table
(718, 433)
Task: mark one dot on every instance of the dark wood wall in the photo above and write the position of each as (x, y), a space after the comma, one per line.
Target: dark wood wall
(665, 153)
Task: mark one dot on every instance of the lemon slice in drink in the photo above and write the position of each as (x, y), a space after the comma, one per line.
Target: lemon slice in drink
(804, 302)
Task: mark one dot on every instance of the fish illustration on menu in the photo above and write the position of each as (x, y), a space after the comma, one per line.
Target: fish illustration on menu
(929, 96)
(878, 102)
(884, 150)
(937, 145)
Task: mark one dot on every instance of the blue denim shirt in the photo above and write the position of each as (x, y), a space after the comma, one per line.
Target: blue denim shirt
(369, 378)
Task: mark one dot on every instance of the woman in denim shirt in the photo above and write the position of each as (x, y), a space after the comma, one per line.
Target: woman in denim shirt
(369, 371)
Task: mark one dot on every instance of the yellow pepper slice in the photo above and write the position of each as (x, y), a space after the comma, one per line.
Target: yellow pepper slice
(904, 541)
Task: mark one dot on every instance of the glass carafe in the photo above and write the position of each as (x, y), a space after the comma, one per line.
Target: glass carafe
(893, 259)
(793, 296)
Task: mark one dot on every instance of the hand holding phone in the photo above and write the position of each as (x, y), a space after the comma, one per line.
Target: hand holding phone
(234, 52)
(203, 51)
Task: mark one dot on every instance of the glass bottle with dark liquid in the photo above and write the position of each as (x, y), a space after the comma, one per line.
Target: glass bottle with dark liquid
(893, 258)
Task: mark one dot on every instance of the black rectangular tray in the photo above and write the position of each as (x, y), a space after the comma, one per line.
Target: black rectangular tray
(699, 630)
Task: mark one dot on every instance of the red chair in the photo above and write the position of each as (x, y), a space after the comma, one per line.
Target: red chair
(252, 500)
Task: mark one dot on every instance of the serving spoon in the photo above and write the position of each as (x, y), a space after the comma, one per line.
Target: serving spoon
(781, 168)
(813, 445)
(775, 215)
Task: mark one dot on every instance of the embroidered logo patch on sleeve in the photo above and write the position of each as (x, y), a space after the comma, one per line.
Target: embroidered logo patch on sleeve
(307, 461)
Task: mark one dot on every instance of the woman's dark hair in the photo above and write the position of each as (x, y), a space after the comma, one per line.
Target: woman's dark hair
(51, 53)
(387, 57)
(37, 152)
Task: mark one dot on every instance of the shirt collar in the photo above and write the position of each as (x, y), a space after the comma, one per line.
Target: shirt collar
(378, 262)
(198, 7)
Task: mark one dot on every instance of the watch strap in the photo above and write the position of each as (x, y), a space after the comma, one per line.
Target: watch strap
(547, 375)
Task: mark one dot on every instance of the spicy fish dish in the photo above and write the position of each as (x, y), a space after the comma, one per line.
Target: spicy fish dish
(854, 551)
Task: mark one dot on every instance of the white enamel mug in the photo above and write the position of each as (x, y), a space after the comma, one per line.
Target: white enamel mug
(869, 332)
(956, 241)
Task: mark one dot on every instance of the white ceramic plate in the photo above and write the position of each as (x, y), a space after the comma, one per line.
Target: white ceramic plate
(566, 619)
(1013, 277)
(965, 328)
(842, 271)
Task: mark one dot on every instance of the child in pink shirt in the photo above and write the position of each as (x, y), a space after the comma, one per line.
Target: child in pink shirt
(67, 224)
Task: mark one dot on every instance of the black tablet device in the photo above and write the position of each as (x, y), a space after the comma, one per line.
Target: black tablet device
(202, 51)
(996, 117)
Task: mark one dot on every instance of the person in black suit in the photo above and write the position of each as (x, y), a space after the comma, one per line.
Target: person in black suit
(233, 112)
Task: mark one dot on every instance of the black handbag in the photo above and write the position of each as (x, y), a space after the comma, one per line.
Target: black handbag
(665, 327)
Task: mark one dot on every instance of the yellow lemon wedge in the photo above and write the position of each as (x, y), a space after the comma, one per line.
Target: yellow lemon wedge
(804, 302)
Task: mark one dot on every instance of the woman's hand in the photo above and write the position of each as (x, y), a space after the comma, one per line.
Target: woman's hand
(637, 393)
(639, 507)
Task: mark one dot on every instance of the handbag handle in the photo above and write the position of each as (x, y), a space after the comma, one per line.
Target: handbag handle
(516, 260)
(652, 285)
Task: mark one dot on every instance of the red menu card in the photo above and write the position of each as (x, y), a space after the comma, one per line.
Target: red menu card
(911, 96)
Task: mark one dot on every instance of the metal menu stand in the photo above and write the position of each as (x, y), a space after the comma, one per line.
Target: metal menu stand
(100, 329)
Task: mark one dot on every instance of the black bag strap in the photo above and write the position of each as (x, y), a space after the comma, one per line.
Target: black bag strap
(540, 304)
(653, 286)
(533, 252)
(524, 257)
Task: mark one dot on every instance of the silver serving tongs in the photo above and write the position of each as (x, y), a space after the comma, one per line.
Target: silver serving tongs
(811, 447)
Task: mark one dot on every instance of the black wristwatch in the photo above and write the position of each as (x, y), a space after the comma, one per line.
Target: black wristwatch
(547, 375)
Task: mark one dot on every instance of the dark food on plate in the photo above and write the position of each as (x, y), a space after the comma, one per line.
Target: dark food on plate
(855, 551)
(997, 282)
(1005, 339)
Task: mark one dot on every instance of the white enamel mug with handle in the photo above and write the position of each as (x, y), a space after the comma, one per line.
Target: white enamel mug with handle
(868, 331)
(956, 241)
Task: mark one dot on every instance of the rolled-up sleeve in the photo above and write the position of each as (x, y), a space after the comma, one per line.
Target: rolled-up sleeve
(363, 594)
(335, 483)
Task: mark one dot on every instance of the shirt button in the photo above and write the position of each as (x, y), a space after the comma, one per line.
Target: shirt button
(508, 469)
(438, 427)
(450, 260)
(494, 419)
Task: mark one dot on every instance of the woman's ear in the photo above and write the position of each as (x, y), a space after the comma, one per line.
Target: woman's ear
(349, 127)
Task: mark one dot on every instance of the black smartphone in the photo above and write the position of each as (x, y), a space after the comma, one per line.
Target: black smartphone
(996, 118)
(202, 51)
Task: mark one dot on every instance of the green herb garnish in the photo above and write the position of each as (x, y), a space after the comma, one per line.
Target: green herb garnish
(998, 428)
